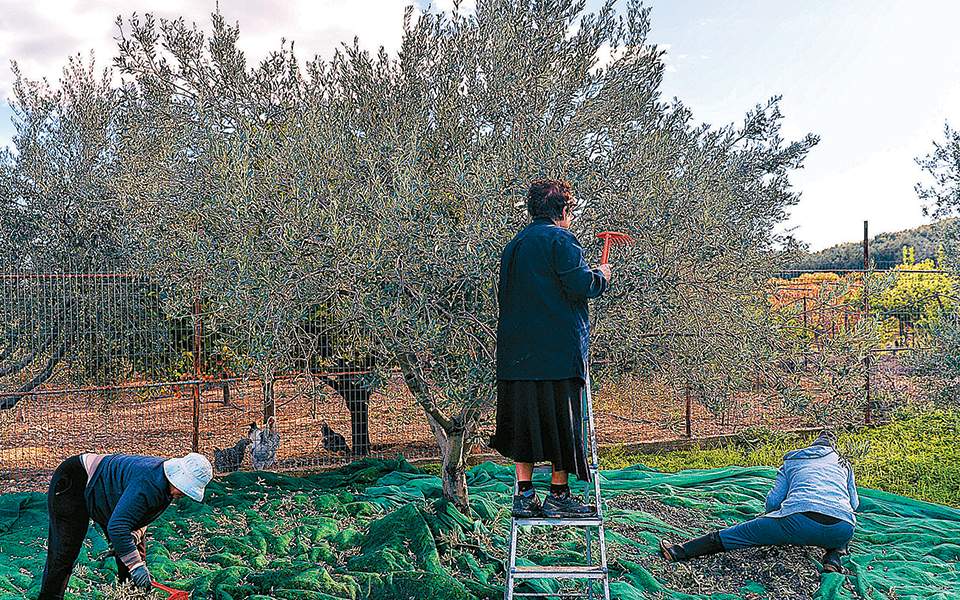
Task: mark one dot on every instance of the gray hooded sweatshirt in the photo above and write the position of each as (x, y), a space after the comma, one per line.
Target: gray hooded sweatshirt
(814, 479)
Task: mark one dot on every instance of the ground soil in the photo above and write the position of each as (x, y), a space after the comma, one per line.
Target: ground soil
(786, 573)
(43, 430)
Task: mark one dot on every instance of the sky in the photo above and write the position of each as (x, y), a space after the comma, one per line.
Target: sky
(875, 79)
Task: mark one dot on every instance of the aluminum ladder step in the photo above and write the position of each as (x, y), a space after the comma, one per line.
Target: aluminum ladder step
(567, 595)
(585, 522)
(560, 572)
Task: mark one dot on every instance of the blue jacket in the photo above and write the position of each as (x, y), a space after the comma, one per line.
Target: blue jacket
(814, 479)
(543, 331)
(125, 494)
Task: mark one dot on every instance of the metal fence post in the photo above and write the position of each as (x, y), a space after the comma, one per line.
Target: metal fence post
(689, 411)
(806, 328)
(269, 401)
(197, 366)
(867, 413)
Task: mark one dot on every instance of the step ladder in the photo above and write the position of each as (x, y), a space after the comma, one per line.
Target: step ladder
(591, 574)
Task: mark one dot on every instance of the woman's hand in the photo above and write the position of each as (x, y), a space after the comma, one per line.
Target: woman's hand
(605, 269)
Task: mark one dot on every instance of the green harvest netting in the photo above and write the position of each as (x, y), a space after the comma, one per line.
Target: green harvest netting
(379, 529)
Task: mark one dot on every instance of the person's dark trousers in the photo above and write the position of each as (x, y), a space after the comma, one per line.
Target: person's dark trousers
(801, 529)
(68, 526)
(123, 573)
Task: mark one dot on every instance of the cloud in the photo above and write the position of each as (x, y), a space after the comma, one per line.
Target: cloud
(606, 55)
(466, 6)
(873, 185)
(40, 35)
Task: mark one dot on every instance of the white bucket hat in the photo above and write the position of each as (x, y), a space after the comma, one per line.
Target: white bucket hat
(189, 474)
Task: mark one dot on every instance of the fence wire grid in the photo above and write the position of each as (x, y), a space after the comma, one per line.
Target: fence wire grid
(90, 362)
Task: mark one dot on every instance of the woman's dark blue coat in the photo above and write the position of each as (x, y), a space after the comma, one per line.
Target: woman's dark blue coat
(543, 332)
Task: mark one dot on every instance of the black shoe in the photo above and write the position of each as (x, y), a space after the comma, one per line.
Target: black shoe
(526, 507)
(701, 546)
(567, 507)
(670, 551)
(831, 562)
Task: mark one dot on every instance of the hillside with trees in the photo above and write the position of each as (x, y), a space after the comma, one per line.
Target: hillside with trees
(886, 249)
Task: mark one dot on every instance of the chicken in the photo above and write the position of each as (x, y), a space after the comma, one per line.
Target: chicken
(230, 459)
(332, 440)
(264, 444)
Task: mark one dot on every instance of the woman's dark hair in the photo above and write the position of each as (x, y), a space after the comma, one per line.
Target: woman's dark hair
(826, 438)
(547, 197)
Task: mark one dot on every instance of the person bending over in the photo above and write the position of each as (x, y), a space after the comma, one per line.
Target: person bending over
(122, 494)
(812, 503)
(543, 332)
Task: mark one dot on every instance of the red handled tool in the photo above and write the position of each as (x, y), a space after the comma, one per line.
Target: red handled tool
(174, 594)
(612, 237)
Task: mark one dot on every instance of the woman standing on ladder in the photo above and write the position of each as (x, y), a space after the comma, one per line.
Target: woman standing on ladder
(543, 334)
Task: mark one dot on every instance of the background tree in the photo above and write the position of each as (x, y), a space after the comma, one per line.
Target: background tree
(941, 191)
(886, 249)
(61, 219)
(909, 303)
(57, 205)
(58, 214)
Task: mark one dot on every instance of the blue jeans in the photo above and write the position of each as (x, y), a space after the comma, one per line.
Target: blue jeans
(797, 529)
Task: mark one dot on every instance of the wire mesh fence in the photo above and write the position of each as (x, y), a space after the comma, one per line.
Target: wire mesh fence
(95, 362)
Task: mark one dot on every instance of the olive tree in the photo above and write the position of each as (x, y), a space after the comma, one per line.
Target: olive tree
(70, 304)
(221, 183)
(56, 205)
(437, 147)
(940, 192)
(377, 190)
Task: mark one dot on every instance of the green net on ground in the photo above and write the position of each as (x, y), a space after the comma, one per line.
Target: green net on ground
(379, 529)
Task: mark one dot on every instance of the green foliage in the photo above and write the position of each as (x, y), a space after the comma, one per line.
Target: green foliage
(917, 299)
(939, 361)
(917, 455)
(57, 204)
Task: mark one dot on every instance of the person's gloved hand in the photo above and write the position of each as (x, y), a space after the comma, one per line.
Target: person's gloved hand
(141, 578)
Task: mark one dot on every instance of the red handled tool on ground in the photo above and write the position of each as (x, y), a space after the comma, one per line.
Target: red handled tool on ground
(174, 594)
(609, 238)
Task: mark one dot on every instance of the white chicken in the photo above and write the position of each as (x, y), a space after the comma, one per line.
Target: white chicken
(264, 444)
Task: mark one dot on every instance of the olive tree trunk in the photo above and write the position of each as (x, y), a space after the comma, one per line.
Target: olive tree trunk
(356, 394)
(451, 434)
(453, 453)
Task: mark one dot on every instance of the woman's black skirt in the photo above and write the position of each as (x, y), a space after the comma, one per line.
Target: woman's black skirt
(540, 421)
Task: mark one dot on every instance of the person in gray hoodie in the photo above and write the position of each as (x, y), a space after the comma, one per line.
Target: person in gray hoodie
(813, 503)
